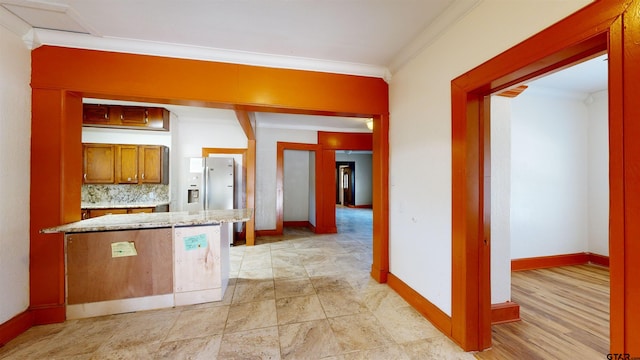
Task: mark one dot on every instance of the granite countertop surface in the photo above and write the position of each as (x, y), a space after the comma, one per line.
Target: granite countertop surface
(153, 220)
(120, 205)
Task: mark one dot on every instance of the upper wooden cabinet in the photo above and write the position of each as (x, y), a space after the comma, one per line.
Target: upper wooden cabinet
(153, 164)
(98, 163)
(125, 164)
(131, 117)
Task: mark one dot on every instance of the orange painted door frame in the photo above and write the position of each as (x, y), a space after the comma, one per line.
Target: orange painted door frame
(605, 25)
(61, 77)
(378, 141)
(321, 226)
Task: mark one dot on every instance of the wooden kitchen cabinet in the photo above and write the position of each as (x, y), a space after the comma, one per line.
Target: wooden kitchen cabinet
(98, 163)
(153, 164)
(95, 114)
(91, 213)
(126, 164)
(129, 117)
(100, 212)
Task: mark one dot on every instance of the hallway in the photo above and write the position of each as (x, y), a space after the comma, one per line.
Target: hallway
(296, 296)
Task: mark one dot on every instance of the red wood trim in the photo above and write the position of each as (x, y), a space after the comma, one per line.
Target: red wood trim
(251, 192)
(361, 206)
(380, 188)
(617, 198)
(582, 35)
(50, 314)
(15, 326)
(542, 262)
(272, 232)
(304, 223)
(245, 123)
(189, 82)
(345, 141)
(627, 285)
(598, 259)
(436, 316)
(281, 147)
(505, 312)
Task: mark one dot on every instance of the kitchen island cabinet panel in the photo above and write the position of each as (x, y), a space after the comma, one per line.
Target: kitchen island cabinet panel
(96, 272)
(201, 264)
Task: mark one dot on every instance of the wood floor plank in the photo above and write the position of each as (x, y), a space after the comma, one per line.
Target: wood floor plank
(564, 312)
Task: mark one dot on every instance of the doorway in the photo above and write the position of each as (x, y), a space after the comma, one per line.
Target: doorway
(346, 183)
(601, 26)
(549, 196)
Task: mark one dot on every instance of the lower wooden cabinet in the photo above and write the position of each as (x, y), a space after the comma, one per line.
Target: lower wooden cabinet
(91, 213)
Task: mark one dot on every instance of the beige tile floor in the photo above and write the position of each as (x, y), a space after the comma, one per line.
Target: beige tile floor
(298, 296)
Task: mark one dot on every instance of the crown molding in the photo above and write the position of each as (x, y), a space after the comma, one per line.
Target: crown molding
(85, 41)
(452, 14)
(13, 23)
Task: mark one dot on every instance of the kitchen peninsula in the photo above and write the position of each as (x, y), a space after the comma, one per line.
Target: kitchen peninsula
(131, 262)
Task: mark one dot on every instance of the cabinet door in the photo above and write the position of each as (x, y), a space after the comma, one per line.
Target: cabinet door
(153, 164)
(100, 212)
(158, 118)
(139, 210)
(134, 115)
(127, 164)
(150, 162)
(95, 114)
(98, 162)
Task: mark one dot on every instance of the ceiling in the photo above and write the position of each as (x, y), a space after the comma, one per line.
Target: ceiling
(581, 79)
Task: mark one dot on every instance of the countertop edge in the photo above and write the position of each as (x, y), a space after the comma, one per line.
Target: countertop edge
(152, 220)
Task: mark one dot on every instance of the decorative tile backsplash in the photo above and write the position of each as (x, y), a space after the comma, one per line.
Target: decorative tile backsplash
(125, 193)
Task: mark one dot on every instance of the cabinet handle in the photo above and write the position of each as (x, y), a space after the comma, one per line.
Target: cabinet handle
(135, 176)
(106, 117)
(146, 116)
(121, 117)
(142, 176)
(85, 177)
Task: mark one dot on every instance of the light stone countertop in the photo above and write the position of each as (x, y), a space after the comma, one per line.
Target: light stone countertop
(153, 220)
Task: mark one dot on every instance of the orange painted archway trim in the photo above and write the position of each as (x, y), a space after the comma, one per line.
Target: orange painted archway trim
(61, 77)
(608, 25)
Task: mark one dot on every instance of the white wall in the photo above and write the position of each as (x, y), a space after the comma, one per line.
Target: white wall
(364, 190)
(266, 156)
(549, 181)
(125, 136)
(214, 128)
(296, 185)
(598, 143)
(500, 199)
(420, 135)
(15, 151)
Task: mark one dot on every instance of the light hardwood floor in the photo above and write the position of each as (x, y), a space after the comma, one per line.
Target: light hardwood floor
(564, 312)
